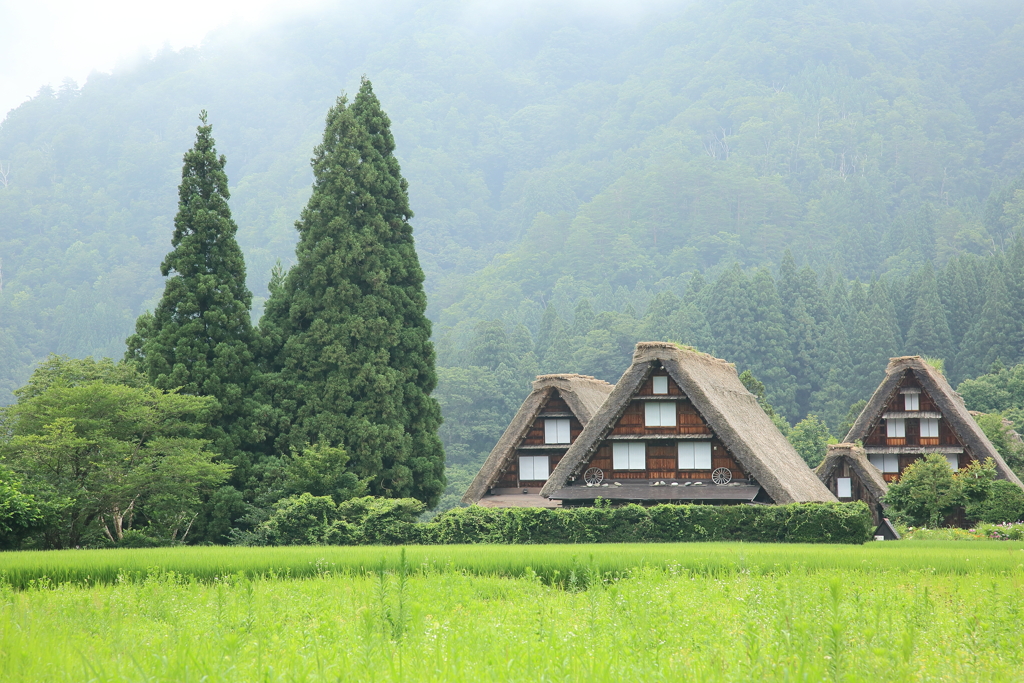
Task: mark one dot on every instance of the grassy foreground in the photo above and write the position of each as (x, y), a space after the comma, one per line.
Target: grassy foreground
(904, 611)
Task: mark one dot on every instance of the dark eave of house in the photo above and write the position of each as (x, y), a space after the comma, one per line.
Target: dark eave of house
(644, 491)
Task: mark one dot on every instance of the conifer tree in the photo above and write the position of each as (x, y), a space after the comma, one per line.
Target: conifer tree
(929, 333)
(346, 342)
(199, 338)
(993, 337)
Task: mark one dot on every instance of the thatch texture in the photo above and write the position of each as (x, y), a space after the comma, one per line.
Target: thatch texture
(731, 411)
(851, 453)
(950, 404)
(582, 393)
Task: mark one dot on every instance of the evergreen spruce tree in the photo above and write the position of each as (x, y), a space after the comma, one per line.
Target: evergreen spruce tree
(730, 316)
(872, 343)
(491, 346)
(993, 337)
(546, 332)
(346, 343)
(929, 333)
(199, 339)
(696, 290)
(771, 344)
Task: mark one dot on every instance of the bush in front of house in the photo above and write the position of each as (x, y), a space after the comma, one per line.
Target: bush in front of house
(1005, 503)
(796, 523)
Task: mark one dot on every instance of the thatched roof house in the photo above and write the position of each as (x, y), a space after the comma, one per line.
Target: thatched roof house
(679, 426)
(551, 417)
(849, 475)
(915, 411)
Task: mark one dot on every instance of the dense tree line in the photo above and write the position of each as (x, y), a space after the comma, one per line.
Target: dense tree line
(815, 344)
(209, 424)
(693, 136)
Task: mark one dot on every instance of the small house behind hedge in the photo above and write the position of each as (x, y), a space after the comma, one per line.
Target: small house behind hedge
(679, 427)
(913, 412)
(849, 475)
(548, 421)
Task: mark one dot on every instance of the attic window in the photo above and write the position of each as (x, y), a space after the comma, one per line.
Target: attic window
(533, 468)
(660, 414)
(912, 401)
(556, 431)
(629, 456)
(695, 455)
(660, 384)
(887, 463)
(843, 488)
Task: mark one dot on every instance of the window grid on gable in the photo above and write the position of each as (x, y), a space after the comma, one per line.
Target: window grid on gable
(629, 456)
(556, 431)
(533, 468)
(660, 384)
(912, 402)
(895, 428)
(694, 455)
(930, 428)
(659, 414)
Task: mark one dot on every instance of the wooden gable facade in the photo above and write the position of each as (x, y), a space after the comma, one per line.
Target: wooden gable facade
(660, 439)
(914, 412)
(910, 426)
(679, 426)
(541, 449)
(550, 419)
(850, 476)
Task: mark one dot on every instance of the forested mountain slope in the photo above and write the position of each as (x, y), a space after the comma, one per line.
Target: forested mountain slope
(573, 163)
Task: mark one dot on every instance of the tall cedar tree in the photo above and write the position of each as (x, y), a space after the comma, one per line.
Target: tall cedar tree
(345, 340)
(199, 339)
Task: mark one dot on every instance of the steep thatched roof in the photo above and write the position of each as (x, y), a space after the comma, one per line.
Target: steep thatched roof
(858, 459)
(950, 404)
(582, 393)
(731, 411)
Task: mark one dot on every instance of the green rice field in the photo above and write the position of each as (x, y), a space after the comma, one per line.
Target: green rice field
(896, 611)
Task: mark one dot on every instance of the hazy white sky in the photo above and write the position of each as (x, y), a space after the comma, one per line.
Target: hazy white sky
(45, 41)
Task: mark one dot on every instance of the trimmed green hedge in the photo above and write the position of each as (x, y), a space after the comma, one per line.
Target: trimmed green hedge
(312, 520)
(798, 523)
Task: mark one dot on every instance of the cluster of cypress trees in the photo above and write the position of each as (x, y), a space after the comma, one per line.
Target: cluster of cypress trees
(342, 358)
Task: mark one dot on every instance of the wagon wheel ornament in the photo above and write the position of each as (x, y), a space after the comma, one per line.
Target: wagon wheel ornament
(722, 475)
(593, 476)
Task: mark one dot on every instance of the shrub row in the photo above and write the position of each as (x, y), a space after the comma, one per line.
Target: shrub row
(798, 523)
(311, 520)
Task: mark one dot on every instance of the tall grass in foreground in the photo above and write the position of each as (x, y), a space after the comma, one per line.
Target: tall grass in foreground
(90, 567)
(402, 625)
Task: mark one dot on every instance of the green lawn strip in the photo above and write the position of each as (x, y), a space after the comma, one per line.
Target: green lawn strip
(21, 569)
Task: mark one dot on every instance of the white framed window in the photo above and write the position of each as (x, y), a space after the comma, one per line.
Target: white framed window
(659, 414)
(660, 384)
(888, 463)
(954, 461)
(895, 428)
(695, 455)
(556, 431)
(912, 401)
(844, 489)
(533, 467)
(930, 427)
(629, 456)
